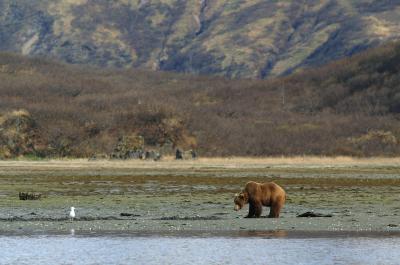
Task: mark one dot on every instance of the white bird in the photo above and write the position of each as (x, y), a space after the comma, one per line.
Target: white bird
(72, 213)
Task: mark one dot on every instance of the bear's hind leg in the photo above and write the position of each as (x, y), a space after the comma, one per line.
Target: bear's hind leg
(275, 211)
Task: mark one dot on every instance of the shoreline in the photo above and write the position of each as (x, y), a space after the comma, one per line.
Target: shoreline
(270, 234)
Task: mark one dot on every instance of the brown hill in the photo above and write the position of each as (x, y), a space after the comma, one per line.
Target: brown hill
(347, 107)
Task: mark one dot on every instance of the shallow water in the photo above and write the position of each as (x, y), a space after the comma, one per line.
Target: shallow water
(109, 249)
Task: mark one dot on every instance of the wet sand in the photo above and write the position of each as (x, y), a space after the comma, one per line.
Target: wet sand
(184, 197)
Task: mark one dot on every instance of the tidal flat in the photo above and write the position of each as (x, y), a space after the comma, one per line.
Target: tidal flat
(187, 197)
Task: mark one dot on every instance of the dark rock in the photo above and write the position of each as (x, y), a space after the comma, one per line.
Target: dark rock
(185, 155)
(178, 154)
(152, 155)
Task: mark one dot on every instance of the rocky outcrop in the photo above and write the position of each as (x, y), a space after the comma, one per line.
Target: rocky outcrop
(129, 147)
(18, 134)
(132, 147)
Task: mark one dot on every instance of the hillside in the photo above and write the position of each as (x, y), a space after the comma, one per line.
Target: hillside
(235, 38)
(348, 107)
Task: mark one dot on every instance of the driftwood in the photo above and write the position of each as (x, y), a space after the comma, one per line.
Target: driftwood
(312, 214)
(129, 214)
(29, 196)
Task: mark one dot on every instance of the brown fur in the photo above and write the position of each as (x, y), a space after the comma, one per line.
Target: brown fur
(261, 194)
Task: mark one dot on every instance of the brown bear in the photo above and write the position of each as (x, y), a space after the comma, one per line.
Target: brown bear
(258, 195)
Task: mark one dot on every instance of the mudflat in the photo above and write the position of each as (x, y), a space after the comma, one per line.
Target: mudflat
(168, 196)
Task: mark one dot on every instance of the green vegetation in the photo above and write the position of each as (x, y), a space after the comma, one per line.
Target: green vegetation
(241, 38)
(349, 107)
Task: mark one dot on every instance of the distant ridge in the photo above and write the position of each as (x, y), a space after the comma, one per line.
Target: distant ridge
(241, 38)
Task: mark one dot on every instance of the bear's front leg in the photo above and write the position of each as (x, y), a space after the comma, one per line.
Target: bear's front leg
(251, 211)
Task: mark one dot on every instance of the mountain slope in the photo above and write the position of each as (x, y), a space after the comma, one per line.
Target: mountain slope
(235, 38)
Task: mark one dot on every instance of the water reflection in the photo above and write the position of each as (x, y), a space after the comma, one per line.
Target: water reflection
(264, 234)
(262, 248)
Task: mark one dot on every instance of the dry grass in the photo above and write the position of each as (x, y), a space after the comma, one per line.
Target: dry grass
(202, 163)
(304, 161)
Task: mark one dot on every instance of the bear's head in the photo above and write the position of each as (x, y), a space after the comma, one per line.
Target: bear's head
(240, 200)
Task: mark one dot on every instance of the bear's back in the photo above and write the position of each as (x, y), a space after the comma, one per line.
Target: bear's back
(270, 188)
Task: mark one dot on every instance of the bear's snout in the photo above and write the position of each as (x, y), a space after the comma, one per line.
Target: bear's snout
(237, 207)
